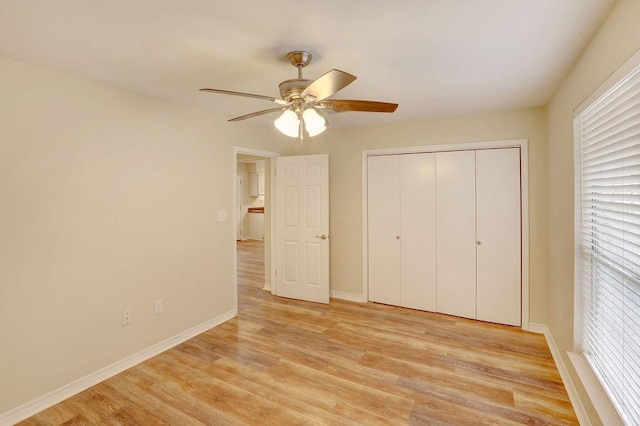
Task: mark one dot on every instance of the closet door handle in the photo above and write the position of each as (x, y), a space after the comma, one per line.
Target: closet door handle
(322, 237)
(478, 242)
(397, 237)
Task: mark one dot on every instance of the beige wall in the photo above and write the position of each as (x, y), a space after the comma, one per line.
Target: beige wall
(345, 147)
(617, 39)
(108, 202)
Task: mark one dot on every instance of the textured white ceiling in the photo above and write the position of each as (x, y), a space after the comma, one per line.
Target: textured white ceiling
(433, 57)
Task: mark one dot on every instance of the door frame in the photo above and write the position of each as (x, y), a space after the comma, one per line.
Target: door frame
(270, 201)
(239, 189)
(523, 144)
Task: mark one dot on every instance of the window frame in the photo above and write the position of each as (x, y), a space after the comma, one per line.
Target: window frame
(590, 378)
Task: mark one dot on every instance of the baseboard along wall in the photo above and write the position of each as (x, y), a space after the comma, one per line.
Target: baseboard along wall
(58, 395)
(352, 297)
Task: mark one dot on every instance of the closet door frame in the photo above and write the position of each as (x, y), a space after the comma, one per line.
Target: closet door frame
(523, 144)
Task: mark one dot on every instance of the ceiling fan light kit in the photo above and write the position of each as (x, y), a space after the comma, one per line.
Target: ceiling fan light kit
(288, 123)
(292, 123)
(314, 122)
(302, 101)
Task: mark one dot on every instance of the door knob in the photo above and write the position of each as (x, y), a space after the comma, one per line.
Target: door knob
(322, 237)
(478, 242)
(397, 237)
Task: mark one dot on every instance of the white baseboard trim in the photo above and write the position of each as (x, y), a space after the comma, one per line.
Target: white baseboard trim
(267, 286)
(352, 297)
(539, 328)
(578, 407)
(58, 395)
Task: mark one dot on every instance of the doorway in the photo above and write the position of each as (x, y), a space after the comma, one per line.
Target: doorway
(250, 198)
(253, 173)
(250, 203)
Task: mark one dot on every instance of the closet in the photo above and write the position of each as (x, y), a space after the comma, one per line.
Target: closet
(444, 232)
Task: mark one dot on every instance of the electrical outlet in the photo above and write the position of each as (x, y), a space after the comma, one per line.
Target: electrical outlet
(158, 306)
(126, 318)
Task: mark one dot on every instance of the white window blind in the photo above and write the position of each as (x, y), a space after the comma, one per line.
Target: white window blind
(608, 236)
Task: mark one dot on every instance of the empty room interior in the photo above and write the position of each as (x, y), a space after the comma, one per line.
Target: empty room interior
(359, 212)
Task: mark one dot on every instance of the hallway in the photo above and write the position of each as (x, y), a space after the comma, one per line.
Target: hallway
(250, 255)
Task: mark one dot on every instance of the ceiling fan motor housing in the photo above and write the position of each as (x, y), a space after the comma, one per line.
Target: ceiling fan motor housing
(291, 89)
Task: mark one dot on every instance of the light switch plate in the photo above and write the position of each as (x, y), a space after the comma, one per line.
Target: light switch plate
(158, 306)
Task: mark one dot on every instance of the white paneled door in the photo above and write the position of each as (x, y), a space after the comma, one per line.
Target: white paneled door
(302, 227)
(383, 193)
(456, 235)
(401, 195)
(417, 227)
(499, 236)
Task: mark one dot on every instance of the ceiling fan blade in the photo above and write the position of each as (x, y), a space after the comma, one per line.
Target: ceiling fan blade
(342, 105)
(257, 113)
(327, 84)
(246, 95)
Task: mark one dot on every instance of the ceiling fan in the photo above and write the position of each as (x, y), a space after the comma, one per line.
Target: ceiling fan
(302, 101)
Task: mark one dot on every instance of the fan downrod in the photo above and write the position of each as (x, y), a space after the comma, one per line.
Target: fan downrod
(291, 89)
(299, 59)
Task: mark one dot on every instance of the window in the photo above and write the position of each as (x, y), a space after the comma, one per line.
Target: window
(608, 242)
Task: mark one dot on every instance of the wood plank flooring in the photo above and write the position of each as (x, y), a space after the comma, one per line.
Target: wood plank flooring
(251, 263)
(286, 362)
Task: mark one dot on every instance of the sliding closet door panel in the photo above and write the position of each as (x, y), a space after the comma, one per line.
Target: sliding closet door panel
(499, 232)
(418, 231)
(456, 232)
(383, 193)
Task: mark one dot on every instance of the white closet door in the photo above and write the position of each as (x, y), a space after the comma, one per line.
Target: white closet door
(418, 230)
(499, 233)
(456, 232)
(383, 193)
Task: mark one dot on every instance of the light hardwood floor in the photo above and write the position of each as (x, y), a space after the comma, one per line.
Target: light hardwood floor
(251, 263)
(284, 362)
